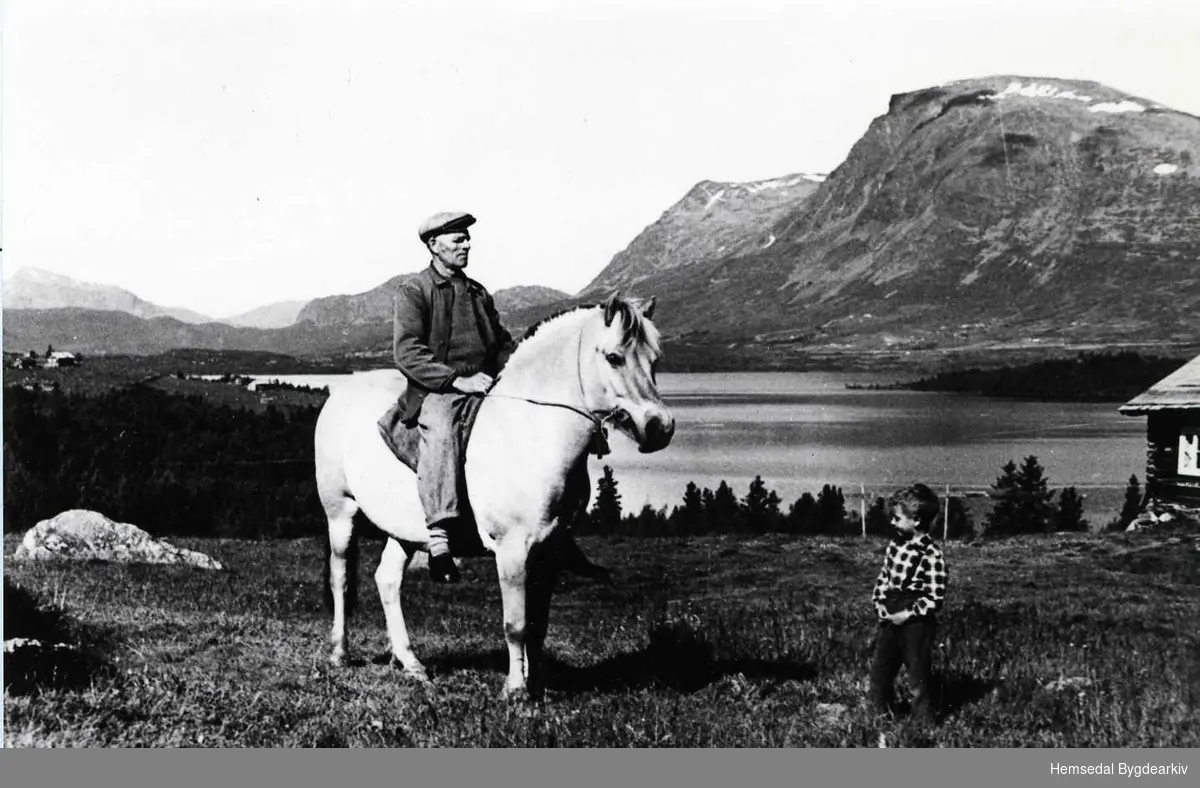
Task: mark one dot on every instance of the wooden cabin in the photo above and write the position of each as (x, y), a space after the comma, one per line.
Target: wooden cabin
(1172, 410)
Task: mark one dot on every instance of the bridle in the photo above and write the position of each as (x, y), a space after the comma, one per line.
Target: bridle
(599, 443)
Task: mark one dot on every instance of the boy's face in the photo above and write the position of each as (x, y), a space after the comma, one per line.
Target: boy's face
(902, 522)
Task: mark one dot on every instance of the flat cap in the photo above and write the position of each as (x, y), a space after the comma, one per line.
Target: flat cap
(444, 222)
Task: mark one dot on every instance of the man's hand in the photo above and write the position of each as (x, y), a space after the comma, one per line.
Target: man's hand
(901, 617)
(479, 383)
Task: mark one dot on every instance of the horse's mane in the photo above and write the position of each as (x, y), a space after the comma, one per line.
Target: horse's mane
(637, 328)
(529, 332)
(634, 322)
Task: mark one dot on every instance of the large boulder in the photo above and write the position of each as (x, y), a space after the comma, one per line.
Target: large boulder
(1165, 515)
(83, 535)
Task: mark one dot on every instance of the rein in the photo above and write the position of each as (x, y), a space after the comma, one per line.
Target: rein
(599, 444)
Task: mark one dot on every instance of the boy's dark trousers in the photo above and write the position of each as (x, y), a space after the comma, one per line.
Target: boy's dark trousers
(909, 644)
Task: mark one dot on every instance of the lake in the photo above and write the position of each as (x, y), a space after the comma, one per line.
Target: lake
(801, 430)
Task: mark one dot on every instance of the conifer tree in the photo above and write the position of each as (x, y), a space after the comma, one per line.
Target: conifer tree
(606, 510)
(1069, 515)
(1133, 503)
(761, 507)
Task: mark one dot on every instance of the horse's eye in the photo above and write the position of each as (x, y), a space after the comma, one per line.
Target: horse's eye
(616, 359)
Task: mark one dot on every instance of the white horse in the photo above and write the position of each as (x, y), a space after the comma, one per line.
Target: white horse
(526, 468)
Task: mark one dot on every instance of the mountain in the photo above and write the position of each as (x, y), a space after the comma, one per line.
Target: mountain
(277, 315)
(94, 332)
(33, 288)
(511, 299)
(985, 211)
(713, 221)
(375, 305)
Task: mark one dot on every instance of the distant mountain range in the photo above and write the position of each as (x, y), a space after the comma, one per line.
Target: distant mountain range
(43, 308)
(986, 213)
(375, 305)
(277, 315)
(33, 288)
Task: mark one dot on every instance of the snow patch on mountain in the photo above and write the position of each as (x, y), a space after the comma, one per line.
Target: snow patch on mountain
(1117, 106)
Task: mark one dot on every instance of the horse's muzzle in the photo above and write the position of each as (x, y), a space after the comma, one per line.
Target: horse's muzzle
(656, 434)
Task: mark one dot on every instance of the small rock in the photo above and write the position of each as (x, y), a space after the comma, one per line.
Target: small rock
(1068, 683)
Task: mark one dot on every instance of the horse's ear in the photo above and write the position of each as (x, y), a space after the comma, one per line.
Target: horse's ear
(610, 307)
(648, 309)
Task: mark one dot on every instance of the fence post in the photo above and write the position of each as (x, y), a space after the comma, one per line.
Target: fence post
(862, 508)
(946, 517)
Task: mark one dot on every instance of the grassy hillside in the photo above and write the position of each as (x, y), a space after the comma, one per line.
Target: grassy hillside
(1081, 641)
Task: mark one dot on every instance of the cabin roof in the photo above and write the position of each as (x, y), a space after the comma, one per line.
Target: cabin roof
(1178, 391)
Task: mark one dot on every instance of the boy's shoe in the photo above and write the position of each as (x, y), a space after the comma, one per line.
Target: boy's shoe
(442, 569)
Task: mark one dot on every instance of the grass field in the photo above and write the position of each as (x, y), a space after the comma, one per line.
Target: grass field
(1071, 641)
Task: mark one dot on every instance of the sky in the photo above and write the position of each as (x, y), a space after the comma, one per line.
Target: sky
(220, 155)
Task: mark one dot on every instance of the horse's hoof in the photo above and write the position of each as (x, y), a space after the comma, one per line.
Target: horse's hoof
(418, 675)
(517, 695)
(337, 659)
(413, 671)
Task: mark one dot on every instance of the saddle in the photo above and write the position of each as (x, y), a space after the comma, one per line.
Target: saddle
(404, 442)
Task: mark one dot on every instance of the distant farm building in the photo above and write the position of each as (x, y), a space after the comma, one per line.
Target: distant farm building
(1172, 410)
(61, 358)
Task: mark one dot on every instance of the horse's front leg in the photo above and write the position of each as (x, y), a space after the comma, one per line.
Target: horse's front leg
(541, 574)
(512, 558)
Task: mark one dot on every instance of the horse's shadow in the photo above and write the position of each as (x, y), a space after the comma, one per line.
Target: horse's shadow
(668, 660)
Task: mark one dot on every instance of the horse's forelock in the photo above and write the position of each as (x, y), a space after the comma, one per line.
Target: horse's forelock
(637, 328)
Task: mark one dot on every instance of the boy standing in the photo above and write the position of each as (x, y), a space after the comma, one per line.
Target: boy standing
(910, 590)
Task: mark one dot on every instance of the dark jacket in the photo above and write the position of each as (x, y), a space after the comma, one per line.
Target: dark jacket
(421, 337)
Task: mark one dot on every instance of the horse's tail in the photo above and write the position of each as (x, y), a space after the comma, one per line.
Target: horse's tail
(351, 573)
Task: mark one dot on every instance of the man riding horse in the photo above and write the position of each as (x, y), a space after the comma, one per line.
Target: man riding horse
(449, 343)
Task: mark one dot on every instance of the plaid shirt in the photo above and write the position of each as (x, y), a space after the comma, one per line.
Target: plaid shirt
(913, 564)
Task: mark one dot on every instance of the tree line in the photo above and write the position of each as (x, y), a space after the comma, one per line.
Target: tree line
(170, 464)
(1089, 377)
(181, 465)
(1021, 503)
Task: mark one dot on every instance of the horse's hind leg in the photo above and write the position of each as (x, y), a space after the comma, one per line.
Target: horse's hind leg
(388, 578)
(341, 536)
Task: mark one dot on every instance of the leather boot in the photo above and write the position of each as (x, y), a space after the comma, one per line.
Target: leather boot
(442, 569)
